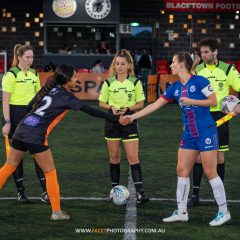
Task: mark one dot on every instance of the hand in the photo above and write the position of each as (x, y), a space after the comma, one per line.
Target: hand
(6, 129)
(130, 118)
(123, 110)
(196, 59)
(115, 111)
(237, 109)
(124, 121)
(186, 101)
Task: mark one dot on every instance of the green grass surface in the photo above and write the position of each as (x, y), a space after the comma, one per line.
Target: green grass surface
(81, 158)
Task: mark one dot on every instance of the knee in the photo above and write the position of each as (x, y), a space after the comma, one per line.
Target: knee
(220, 158)
(133, 160)
(198, 160)
(210, 173)
(181, 172)
(115, 159)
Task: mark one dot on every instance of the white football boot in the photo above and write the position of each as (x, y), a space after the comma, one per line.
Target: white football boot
(59, 216)
(177, 217)
(220, 219)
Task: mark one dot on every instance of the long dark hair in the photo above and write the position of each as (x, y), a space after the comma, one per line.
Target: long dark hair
(62, 75)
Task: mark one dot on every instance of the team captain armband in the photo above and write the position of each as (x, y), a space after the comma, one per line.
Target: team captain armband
(207, 91)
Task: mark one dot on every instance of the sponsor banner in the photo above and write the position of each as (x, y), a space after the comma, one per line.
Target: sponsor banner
(202, 5)
(88, 86)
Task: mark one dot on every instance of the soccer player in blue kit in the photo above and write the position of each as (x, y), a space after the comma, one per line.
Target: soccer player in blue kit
(194, 95)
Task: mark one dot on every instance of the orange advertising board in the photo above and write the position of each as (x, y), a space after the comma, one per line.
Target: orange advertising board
(88, 85)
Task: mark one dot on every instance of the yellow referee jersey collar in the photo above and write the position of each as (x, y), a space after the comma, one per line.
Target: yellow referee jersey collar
(211, 67)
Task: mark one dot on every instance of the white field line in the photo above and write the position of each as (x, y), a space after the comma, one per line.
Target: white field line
(131, 211)
(104, 199)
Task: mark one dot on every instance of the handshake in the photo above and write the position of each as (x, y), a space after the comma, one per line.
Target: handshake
(126, 120)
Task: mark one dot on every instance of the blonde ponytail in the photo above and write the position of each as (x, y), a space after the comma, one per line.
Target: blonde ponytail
(15, 61)
(18, 51)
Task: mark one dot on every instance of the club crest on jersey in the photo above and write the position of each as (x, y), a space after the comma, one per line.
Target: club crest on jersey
(129, 97)
(220, 86)
(208, 140)
(192, 88)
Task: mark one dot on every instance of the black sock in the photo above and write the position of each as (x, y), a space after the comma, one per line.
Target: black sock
(115, 174)
(137, 177)
(18, 177)
(221, 170)
(41, 177)
(197, 176)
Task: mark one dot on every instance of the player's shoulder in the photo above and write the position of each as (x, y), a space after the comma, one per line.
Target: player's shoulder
(12, 72)
(110, 80)
(199, 78)
(33, 71)
(225, 67)
(200, 67)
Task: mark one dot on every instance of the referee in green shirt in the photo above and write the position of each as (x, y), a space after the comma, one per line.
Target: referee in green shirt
(123, 93)
(222, 76)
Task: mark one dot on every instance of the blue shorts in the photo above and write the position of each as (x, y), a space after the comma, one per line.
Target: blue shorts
(207, 141)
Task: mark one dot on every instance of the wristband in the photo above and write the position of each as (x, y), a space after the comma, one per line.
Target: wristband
(7, 121)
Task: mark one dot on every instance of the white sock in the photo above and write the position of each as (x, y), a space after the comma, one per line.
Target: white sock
(183, 188)
(219, 193)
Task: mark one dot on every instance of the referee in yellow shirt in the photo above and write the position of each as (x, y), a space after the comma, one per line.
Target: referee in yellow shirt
(19, 85)
(123, 93)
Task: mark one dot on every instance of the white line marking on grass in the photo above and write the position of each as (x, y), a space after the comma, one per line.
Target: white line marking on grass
(131, 211)
(104, 199)
(62, 198)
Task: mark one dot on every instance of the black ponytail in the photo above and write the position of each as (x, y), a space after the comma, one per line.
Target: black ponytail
(62, 75)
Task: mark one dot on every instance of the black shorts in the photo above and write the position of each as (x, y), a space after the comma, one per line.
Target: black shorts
(116, 131)
(24, 146)
(17, 113)
(223, 131)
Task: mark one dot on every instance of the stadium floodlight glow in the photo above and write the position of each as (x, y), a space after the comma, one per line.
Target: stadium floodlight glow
(134, 24)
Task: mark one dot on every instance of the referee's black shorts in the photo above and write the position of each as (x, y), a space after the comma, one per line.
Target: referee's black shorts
(17, 113)
(116, 131)
(223, 131)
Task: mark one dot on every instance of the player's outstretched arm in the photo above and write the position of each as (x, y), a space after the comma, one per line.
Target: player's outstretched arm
(99, 113)
(148, 109)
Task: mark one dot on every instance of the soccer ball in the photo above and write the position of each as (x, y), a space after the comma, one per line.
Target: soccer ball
(228, 103)
(120, 195)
